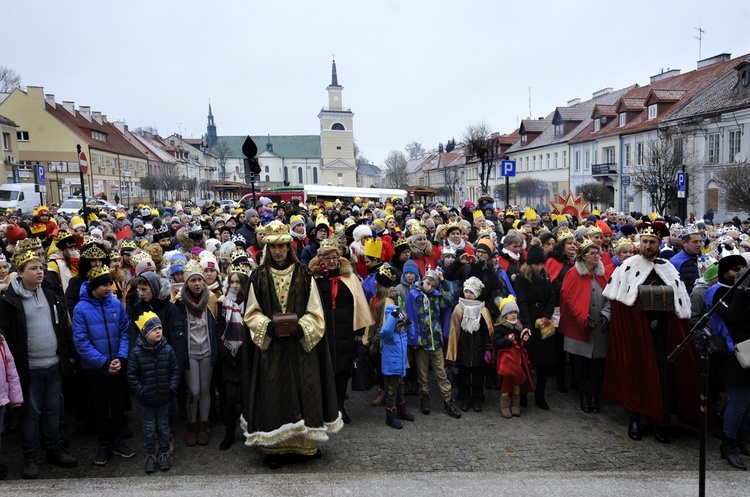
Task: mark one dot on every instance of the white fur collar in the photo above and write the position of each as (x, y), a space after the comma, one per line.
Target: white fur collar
(623, 286)
(583, 270)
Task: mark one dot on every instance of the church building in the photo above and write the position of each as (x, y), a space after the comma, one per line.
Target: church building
(324, 159)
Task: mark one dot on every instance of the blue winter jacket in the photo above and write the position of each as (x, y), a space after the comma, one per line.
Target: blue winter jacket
(394, 345)
(153, 372)
(100, 330)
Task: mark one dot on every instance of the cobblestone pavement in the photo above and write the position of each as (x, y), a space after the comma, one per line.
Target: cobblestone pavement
(557, 441)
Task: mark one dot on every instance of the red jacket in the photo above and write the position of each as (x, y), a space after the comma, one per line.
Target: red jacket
(575, 300)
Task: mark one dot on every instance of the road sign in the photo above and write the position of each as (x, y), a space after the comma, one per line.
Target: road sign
(40, 178)
(508, 168)
(497, 195)
(681, 182)
(83, 162)
(625, 180)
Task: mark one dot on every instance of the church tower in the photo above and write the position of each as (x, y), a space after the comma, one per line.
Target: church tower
(211, 137)
(337, 138)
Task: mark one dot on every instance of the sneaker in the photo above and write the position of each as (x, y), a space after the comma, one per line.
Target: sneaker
(150, 465)
(120, 448)
(60, 457)
(30, 468)
(165, 461)
(102, 454)
(424, 404)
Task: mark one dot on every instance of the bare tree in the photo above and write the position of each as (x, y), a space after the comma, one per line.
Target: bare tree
(395, 170)
(657, 175)
(530, 189)
(479, 144)
(596, 193)
(414, 150)
(221, 152)
(151, 184)
(735, 182)
(146, 131)
(451, 182)
(9, 79)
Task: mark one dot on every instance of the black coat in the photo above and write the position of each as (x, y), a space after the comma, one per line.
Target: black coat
(735, 317)
(172, 324)
(536, 300)
(153, 372)
(339, 324)
(472, 346)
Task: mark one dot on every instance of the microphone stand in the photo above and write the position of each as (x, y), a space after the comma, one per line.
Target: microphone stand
(701, 335)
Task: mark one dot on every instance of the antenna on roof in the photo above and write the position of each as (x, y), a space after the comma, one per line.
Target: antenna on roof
(700, 39)
(530, 114)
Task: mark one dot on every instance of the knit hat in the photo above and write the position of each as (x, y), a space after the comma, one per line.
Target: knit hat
(251, 213)
(212, 244)
(535, 255)
(144, 266)
(474, 285)
(14, 234)
(148, 322)
(429, 223)
(386, 276)
(728, 262)
(360, 232)
(486, 245)
(99, 276)
(411, 267)
(208, 261)
(508, 305)
(711, 272)
(137, 223)
(296, 221)
(177, 264)
(76, 223)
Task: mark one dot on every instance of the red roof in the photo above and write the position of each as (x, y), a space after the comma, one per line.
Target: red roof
(4, 120)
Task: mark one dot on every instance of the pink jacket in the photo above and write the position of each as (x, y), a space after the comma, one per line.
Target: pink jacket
(10, 385)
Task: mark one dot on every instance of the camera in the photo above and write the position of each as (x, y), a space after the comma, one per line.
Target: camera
(402, 319)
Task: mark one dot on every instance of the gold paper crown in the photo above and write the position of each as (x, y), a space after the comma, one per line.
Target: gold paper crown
(448, 228)
(128, 244)
(400, 243)
(239, 268)
(95, 251)
(193, 266)
(277, 233)
(97, 272)
(237, 254)
(565, 233)
(155, 250)
(114, 254)
(388, 272)
(585, 244)
(349, 223)
(593, 230)
(89, 239)
(139, 257)
(622, 241)
(145, 318)
(331, 244)
(478, 214)
(374, 248)
(655, 229)
(62, 236)
(22, 258)
(417, 229)
(32, 244)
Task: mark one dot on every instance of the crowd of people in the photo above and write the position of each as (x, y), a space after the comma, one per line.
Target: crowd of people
(254, 316)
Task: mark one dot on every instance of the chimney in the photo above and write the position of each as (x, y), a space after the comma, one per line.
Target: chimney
(722, 57)
(70, 107)
(85, 111)
(120, 125)
(104, 118)
(574, 102)
(97, 116)
(669, 73)
(50, 99)
(601, 92)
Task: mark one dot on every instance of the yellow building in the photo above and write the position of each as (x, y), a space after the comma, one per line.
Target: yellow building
(49, 133)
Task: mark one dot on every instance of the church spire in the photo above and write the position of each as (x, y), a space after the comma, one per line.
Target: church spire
(211, 137)
(334, 76)
(210, 114)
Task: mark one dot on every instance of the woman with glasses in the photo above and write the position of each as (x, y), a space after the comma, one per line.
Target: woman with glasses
(346, 312)
(584, 317)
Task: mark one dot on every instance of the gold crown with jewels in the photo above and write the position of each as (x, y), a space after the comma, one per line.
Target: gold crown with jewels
(95, 251)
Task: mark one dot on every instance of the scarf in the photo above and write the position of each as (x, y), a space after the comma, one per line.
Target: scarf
(233, 308)
(457, 246)
(298, 236)
(512, 255)
(472, 314)
(195, 308)
(334, 277)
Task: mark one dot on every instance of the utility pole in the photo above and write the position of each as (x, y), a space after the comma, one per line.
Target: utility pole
(700, 39)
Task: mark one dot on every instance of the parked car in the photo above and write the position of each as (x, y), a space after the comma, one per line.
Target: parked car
(72, 205)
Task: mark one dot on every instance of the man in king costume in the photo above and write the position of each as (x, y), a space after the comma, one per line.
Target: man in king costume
(289, 395)
(637, 373)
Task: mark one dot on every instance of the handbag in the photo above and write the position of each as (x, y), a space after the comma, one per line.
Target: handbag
(656, 297)
(363, 374)
(285, 324)
(742, 353)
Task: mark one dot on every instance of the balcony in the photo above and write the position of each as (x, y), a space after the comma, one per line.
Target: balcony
(604, 169)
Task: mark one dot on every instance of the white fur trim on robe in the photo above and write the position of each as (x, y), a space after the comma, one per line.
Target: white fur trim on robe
(623, 285)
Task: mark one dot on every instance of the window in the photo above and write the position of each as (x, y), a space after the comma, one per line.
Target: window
(286, 173)
(734, 144)
(523, 139)
(299, 176)
(609, 155)
(341, 178)
(98, 135)
(559, 129)
(268, 170)
(565, 159)
(556, 164)
(713, 148)
(315, 175)
(6, 141)
(627, 155)
(577, 160)
(587, 159)
(677, 149)
(547, 161)
(652, 111)
(101, 162)
(527, 163)
(597, 125)
(114, 164)
(533, 162)
(639, 153)
(338, 148)
(652, 153)
(22, 136)
(268, 178)
(623, 119)
(338, 127)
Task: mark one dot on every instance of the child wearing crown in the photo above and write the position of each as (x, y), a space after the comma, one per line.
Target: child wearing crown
(513, 366)
(154, 376)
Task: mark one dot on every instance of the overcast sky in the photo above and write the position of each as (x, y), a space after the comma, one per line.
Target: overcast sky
(412, 70)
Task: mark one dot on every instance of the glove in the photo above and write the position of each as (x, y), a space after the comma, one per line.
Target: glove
(299, 333)
(453, 371)
(488, 357)
(271, 330)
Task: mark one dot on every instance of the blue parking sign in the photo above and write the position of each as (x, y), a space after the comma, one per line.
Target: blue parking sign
(508, 168)
(681, 181)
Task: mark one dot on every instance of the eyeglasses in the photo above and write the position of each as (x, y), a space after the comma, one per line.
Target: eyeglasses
(329, 259)
(594, 254)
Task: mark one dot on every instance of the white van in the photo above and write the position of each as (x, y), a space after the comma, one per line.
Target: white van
(17, 196)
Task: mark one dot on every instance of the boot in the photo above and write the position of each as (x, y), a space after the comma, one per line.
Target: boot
(202, 437)
(634, 427)
(192, 435)
(743, 438)
(60, 457)
(539, 400)
(424, 404)
(228, 439)
(515, 405)
(728, 450)
(402, 413)
(585, 404)
(595, 404)
(505, 406)
(30, 468)
(451, 409)
(380, 399)
(391, 420)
